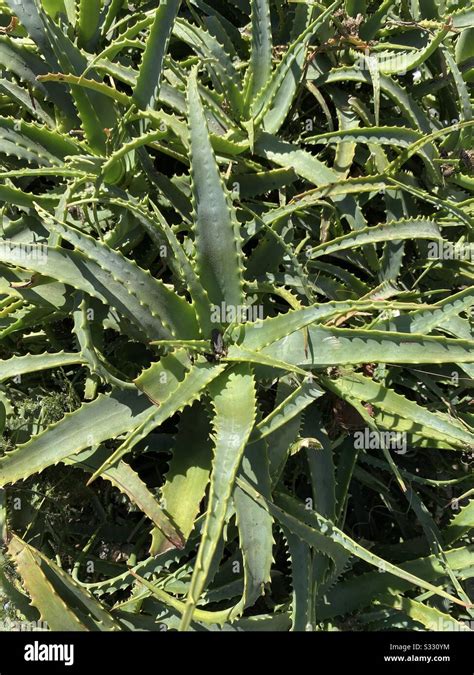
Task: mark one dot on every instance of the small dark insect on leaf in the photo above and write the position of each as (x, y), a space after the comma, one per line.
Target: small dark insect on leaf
(448, 170)
(217, 345)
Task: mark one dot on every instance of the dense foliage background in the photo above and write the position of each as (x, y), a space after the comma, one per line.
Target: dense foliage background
(235, 314)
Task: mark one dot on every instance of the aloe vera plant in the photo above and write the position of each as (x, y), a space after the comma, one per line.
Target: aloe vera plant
(235, 315)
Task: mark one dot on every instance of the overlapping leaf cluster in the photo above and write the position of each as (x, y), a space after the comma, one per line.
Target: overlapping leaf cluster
(234, 236)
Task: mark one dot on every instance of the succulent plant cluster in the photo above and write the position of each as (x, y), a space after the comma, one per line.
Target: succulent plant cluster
(235, 314)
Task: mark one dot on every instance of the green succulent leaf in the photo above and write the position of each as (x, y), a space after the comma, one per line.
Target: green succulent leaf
(236, 341)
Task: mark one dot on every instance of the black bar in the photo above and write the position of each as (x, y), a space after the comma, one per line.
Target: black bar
(116, 653)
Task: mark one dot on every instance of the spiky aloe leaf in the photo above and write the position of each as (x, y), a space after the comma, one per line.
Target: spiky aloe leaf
(215, 58)
(88, 21)
(217, 237)
(62, 603)
(411, 110)
(128, 482)
(149, 292)
(299, 399)
(325, 536)
(260, 65)
(361, 590)
(255, 525)
(424, 229)
(301, 566)
(430, 617)
(339, 346)
(149, 77)
(188, 474)
(177, 397)
(84, 271)
(233, 399)
(413, 417)
(273, 101)
(90, 425)
(21, 365)
(389, 62)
